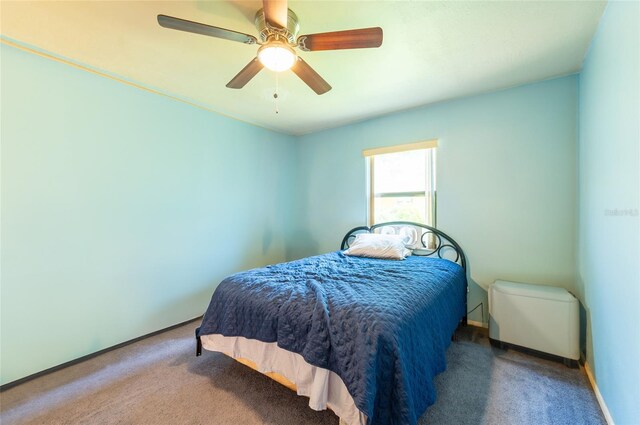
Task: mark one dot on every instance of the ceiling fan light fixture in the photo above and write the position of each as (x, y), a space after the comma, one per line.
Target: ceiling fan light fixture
(277, 56)
(278, 31)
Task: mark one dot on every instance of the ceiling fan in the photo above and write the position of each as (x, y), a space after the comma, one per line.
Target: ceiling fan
(278, 28)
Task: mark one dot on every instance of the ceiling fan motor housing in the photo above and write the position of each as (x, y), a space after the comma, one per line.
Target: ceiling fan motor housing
(267, 32)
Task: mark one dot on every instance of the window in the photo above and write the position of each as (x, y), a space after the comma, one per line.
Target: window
(402, 183)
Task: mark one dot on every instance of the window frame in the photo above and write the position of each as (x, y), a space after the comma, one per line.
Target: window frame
(430, 193)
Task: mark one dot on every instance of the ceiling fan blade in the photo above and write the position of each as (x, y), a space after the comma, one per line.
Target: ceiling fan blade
(349, 39)
(247, 73)
(310, 77)
(198, 28)
(275, 12)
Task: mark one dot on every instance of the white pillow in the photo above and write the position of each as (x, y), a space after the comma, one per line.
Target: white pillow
(378, 246)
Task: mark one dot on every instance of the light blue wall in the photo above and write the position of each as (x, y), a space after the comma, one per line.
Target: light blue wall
(121, 210)
(609, 180)
(506, 177)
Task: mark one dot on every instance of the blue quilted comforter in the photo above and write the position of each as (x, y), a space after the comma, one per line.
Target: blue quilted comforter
(383, 326)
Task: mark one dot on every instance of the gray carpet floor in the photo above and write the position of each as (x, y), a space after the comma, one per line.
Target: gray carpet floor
(160, 381)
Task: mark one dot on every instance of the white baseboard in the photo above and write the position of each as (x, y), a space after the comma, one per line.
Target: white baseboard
(603, 405)
(479, 324)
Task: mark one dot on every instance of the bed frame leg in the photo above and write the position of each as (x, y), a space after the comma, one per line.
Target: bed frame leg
(198, 344)
(463, 323)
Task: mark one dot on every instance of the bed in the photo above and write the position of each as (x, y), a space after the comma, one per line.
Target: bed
(362, 336)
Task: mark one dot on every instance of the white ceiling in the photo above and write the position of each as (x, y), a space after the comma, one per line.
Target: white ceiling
(432, 51)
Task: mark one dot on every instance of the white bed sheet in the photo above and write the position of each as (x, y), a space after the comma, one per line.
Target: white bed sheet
(323, 387)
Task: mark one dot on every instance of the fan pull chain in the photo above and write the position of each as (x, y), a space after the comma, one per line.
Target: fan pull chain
(275, 94)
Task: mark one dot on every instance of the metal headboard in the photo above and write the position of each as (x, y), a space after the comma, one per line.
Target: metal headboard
(442, 243)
